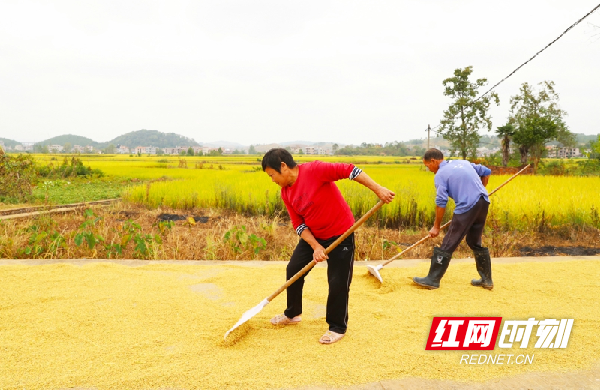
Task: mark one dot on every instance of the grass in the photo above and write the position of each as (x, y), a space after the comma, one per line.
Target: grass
(126, 231)
(77, 190)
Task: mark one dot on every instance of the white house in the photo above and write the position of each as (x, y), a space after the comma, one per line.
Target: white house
(568, 152)
(122, 149)
(55, 148)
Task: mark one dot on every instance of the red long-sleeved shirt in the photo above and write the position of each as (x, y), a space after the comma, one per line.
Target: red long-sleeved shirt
(315, 202)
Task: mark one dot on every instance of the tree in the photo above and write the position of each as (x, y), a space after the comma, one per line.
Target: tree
(533, 134)
(595, 149)
(334, 148)
(470, 111)
(67, 146)
(110, 149)
(251, 150)
(505, 133)
(538, 119)
(190, 151)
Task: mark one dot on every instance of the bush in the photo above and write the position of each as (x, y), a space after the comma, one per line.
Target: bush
(71, 168)
(17, 175)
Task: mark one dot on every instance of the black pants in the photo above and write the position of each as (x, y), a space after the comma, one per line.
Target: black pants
(469, 224)
(339, 275)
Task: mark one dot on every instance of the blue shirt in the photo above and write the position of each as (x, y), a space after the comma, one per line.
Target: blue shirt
(461, 181)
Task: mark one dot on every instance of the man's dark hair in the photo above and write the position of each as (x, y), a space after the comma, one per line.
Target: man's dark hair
(274, 157)
(433, 154)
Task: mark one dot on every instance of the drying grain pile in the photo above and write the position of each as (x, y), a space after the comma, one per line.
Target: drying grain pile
(105, 325)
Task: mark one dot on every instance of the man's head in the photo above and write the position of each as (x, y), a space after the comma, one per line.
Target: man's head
(279, 164)
(432, 159)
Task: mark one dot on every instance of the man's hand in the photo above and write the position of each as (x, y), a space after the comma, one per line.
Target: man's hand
(384, 194)
(319, 254)
(484, 180)
(434, 232)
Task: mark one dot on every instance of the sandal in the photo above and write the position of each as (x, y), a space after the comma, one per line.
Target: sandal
(282, 319)
(330, 337)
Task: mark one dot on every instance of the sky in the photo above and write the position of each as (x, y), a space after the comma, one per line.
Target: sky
(264, 71)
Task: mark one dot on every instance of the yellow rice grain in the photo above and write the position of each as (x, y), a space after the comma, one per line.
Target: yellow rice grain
(108, 326)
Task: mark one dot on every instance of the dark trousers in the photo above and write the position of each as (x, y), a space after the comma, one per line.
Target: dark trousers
(339, 275)
(469, 224)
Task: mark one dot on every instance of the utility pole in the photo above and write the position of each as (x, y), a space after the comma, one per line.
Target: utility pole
(428, 131)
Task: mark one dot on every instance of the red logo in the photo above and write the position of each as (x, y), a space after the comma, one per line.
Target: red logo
(463, 333)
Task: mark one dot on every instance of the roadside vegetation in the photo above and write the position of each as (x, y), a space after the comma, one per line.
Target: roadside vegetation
(128, 231)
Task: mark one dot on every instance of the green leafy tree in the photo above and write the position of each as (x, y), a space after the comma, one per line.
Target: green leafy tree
(251, 150)
(467, 113)
(67, 146)
(595, 149)
(110, 149)
(190, 151)
(533, 133)
(538, 119)
(505, 133)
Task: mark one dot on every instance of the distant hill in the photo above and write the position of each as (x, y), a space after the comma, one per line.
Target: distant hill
(9, 142)
(151, 138)
(133, 139)
(72, 139)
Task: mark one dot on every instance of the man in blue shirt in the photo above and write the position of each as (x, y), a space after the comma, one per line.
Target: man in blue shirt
(465, 183)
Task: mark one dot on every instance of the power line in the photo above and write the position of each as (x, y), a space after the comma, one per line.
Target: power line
(535, 55)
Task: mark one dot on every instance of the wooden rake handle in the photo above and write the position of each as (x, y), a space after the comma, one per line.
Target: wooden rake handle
(327, 250)
(422, 240)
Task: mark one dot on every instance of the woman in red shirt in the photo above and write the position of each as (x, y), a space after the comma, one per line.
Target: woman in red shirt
(320, 215)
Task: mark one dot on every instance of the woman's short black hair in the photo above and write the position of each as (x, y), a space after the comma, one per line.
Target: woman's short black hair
(433, 154)
(274, 157)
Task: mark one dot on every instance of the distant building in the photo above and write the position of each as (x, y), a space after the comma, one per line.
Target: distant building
(197, 149)
(568, 152)
(145, 150)
(78, 149)
(207, 151)
(19, 148)
(122, 149)
(309, 150)
(552, 151)
(55, 148)
(485, 152)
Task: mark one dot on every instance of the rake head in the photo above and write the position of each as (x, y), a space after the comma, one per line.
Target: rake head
(375, 271)
(247, 315)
